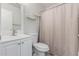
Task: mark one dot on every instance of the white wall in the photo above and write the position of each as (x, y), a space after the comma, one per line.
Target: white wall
(30, 26)
(33, 9)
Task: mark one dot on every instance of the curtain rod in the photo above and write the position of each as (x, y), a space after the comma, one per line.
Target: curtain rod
(52, 7)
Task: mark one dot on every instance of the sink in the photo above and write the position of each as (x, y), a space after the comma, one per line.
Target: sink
(9, 38)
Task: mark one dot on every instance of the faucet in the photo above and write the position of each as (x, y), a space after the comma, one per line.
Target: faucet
(13, 30)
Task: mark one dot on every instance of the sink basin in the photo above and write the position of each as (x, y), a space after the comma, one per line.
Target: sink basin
(9, 38)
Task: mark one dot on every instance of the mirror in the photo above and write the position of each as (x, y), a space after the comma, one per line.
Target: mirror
(6, 21)
(10, 18)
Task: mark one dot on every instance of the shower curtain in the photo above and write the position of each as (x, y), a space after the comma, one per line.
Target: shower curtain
(59, 29)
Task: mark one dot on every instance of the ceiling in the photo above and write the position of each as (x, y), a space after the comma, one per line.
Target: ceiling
(36, 8)
(40, 5)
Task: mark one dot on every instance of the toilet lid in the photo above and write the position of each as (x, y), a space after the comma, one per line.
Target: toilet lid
(41, 46)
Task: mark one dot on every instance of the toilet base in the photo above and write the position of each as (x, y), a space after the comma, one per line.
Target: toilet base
(38, 53)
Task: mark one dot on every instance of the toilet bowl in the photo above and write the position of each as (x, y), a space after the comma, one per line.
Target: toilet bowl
(40, 49)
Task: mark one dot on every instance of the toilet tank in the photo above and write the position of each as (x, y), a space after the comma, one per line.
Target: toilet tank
(34, 37)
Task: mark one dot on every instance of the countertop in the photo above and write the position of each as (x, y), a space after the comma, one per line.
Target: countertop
(12, 38)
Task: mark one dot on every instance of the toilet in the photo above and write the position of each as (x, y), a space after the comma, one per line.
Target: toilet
(39, 49)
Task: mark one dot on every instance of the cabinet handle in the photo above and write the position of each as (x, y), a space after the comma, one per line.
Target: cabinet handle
(22, 42)
(19, 43)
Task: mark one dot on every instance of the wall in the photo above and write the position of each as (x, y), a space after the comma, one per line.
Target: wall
(31, 26)
(33, 9)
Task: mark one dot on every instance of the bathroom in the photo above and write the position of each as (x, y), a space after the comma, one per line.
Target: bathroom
(39, 29)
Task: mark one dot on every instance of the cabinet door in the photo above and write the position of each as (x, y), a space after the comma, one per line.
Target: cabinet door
(11, 48)
(0, 51)
(26, 47)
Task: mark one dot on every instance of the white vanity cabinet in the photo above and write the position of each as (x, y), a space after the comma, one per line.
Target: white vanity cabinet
(26, 47)
(11, 48)
(22, 47)
(0, 51)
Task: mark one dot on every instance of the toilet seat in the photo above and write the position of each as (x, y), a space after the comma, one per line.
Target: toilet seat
(41, 47)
